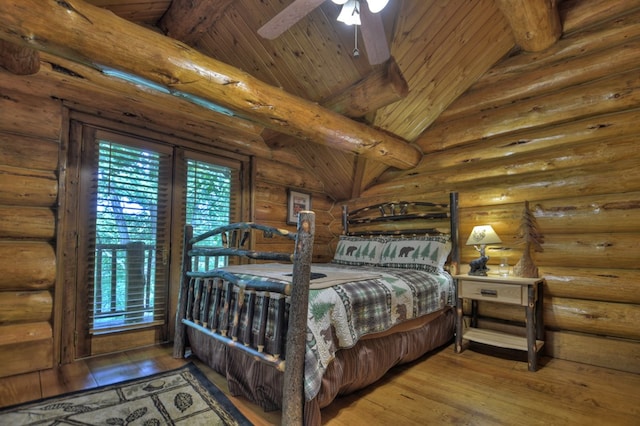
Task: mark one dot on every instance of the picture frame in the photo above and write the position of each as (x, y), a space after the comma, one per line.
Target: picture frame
(296, 202)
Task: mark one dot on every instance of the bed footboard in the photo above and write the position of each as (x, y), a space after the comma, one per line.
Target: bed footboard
(251, 314)
(266, 319)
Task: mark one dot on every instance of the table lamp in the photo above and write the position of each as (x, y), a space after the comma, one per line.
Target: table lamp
(479, 238)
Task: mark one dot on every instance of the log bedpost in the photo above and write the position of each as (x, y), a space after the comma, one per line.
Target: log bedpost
(293, 388)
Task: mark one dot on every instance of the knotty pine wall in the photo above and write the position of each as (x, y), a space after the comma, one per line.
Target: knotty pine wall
(33, 122)
(561, 129)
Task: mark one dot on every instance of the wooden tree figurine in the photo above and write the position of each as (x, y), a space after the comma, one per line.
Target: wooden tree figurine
(532, 239)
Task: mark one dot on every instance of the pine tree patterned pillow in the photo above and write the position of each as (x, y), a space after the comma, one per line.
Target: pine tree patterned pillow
(358, 250)
(426, 253)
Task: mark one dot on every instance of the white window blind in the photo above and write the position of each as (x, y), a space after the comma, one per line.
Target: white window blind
(129, 265)
(211, 200)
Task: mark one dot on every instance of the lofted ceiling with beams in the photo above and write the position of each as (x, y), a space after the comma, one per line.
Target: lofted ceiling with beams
(438, 50)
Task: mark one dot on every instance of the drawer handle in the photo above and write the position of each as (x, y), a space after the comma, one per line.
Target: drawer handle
(492, 293)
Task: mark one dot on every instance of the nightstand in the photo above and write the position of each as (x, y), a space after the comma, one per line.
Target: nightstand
(527, 292)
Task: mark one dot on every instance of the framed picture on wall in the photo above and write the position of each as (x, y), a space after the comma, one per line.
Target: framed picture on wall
(296, 202)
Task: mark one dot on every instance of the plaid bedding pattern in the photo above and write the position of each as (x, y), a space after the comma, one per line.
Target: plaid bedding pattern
(340, 315)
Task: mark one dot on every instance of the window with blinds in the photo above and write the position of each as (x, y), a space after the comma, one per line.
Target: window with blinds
(128, 198)
(211, 194)
(130, 235)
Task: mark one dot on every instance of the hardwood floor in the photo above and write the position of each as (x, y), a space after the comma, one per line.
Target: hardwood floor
(476, 387)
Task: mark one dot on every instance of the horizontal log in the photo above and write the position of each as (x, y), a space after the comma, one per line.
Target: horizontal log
(88, 90)
(605, 284)
(536, 82)
(27, 265)
(532, 187)
(607, 251)
(24, 187)
(601, 318)
(25, 306)
(552, 160)
(607, 352)
(535, 24)
(26, 332)
(616, 93)
(607, 35)
(592, 129)
(616, 212)
(617, 251)
(27, 222)
(29, 152)
(25, 357)
(577, 14)
(88, 34)
(18, 59)
(585, 316)
(582, 214)
(24, 108)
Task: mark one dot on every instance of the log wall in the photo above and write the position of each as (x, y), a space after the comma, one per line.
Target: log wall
(33, 119)
(559, 129)
(28, 194)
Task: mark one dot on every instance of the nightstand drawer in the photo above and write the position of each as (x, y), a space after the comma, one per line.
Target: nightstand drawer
(503, 293)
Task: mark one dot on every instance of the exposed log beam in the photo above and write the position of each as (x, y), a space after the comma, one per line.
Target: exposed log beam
(96, 37)
(18, 59)
(383, 86)
(535, 23)
(187, 20)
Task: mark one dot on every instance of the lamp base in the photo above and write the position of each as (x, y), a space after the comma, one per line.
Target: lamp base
(478, 267)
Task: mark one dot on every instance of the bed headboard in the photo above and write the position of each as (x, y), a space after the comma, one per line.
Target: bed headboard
(407, 218)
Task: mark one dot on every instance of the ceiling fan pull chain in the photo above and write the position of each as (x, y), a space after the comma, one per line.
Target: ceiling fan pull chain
(356, 52)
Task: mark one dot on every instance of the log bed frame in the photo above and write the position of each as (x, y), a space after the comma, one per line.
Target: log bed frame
(202, 290)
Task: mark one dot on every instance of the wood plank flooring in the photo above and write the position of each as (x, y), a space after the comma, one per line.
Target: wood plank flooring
(477, 387)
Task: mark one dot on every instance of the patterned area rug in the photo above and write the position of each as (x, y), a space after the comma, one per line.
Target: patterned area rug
(180, 397)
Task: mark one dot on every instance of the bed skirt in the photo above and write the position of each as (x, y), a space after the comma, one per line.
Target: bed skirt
(352, 369)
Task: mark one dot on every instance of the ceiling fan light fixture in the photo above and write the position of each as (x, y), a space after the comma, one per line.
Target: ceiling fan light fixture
(376, 6)
(340, 1)
(350, 13)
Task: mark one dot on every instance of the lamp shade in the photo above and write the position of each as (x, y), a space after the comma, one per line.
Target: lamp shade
(350, 13)
(483, 234)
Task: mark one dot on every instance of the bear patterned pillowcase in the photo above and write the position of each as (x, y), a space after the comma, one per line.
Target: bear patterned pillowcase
(358, 250)
(426, 253)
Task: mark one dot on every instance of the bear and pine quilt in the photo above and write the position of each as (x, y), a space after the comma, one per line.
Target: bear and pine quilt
(394, 284)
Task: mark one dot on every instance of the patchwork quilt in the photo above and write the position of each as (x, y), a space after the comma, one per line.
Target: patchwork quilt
(340, 314)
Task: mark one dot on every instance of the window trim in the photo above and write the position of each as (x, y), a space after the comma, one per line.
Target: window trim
(79, 123)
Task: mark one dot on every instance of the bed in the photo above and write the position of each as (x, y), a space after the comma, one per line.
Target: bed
(386, 299)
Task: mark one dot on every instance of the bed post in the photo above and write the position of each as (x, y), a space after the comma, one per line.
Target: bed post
(293, 388)
(455, 247)
(345, 219)
(179, 337)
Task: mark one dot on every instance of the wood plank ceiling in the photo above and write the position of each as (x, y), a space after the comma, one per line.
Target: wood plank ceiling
(440, 48)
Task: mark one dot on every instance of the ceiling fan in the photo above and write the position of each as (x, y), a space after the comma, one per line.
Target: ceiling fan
(360, 13)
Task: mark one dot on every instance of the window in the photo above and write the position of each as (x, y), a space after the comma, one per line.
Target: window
(128, 199)
(129, 264)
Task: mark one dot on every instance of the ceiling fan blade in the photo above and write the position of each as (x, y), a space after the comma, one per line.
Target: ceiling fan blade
(375, 40)
(287, 18)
